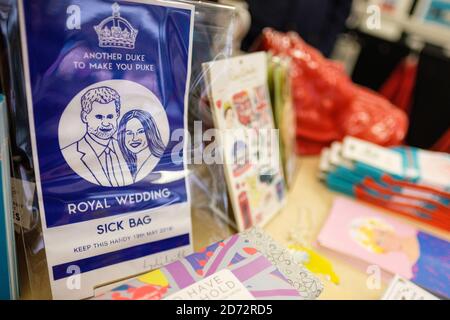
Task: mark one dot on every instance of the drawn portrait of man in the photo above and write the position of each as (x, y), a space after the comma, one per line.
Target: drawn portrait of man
(97, 154)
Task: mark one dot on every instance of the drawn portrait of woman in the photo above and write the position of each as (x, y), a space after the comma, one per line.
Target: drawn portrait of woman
(140, 142)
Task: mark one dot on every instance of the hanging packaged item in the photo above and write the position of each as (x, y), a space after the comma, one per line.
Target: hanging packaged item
(106, 88)
(400, 86)
(425, 168)
(213, 37)
(9, 283)
(248, 141)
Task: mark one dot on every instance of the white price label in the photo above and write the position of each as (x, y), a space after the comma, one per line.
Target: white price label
(222, 285)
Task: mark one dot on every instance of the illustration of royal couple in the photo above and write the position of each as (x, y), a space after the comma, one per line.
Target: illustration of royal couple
(114, 151)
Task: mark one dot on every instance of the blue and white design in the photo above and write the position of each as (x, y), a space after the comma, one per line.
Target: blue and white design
(105, 94)
(116, 32)
(122, 139)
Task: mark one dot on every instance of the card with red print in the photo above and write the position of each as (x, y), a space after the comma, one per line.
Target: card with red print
(247, 137)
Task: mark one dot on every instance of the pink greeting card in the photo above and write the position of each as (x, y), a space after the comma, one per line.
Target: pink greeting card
(362, 233)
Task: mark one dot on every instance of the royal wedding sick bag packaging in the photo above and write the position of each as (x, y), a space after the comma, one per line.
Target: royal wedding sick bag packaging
(106, 86)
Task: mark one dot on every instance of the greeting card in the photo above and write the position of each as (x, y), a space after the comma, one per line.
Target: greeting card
(398, 248)
(248, 140)
(247, 266)
(372, 184)
(402, 289)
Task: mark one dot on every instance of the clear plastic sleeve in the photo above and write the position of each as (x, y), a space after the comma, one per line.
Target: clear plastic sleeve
(31, 253)
(214, 33)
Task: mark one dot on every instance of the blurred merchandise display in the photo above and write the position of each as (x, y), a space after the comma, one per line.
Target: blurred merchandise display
(389, 33)
(413, 183)
(328, 105)
(413, 79)
(377, 60)
(443, 145)
(318, 22)
(9, 281)
(390, 11)
(435, 12)
(430, 114)
(399, 88)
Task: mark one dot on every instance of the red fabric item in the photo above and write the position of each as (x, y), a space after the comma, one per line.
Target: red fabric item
(443, 145)
(399, 88)
(328, 105)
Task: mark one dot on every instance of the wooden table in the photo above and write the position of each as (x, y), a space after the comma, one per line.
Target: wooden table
(308, 206)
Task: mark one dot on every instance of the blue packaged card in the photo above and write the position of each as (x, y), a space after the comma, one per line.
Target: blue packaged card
(107, 87)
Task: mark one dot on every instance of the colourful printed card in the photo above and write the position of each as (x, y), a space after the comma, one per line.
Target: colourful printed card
(248, 266)
(242, 113)
(398, 248)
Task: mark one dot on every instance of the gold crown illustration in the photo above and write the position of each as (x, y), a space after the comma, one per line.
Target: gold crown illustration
(116, 32)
